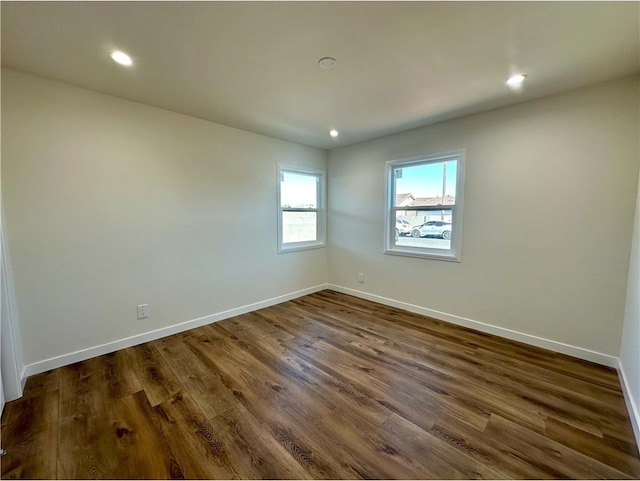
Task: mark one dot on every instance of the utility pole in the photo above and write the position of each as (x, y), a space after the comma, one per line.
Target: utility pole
(444, 187)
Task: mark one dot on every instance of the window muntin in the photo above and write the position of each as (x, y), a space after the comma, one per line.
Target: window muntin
(301, 210)
(426, 193)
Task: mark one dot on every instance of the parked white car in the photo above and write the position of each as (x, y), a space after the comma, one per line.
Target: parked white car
(433, 228)
(403, 227)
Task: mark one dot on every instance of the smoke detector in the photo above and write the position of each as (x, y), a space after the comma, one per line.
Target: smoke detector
(327, 63)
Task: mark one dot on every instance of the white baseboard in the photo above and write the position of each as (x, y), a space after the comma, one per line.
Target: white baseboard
(555, 346)
(70, 358)
(632, 407)
(66, 359)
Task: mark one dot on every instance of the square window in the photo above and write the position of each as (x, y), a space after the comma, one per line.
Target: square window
(424, 206)
(301, 209)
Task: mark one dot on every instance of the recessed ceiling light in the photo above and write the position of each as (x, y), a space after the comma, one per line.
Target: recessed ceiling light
(333, 133)
(121, 58)
(515, 81)
(327, 63)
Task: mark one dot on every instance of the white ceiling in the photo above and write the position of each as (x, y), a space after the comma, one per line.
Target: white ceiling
(253, 65)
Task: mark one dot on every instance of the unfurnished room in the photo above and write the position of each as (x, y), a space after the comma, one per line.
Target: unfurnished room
(320, 240)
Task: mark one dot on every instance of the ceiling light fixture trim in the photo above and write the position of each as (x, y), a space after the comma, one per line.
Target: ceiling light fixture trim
(516, 81)
(121, 58)
(327, 63)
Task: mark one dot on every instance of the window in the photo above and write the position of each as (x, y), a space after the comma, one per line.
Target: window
(424, 206)
(301, 209)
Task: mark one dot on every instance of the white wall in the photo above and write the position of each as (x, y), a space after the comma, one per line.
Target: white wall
(110, 204)
(630, 347)
(549, 202)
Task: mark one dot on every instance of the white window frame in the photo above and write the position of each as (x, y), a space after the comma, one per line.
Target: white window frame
(390, 246)
(321, 216)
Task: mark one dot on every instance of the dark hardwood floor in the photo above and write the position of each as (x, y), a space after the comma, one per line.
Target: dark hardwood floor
(325, 386)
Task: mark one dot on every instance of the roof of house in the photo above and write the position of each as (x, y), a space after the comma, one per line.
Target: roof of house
(403, 200)
(448, 200)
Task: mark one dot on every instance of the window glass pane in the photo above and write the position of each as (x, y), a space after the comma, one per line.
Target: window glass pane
(299, 227)
(431, 229)
(298, 190)
(426, 184)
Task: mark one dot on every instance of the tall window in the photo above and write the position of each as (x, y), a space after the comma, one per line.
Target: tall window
(301, 209)
(424, 206)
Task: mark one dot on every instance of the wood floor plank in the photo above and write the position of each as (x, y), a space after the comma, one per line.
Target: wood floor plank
(326, 386)
(552, 379)
(83, 440)
(80, 457)
(397, 358)
(523, 397)
(580, 369)
(207, 391)
(260, 454)
(116, 374)
(76, 379)
(443, 460)
(42, 383)
(526, 384)
(141, 449)
(178, 357)
(393, 393)
(262, 395)
(30, 437)
(194, 441)
(461, 436)
(157, 378)
(620, 437)
(346, 425)
(307, 452)
(546, 453)
(447, 351)
(592, 446)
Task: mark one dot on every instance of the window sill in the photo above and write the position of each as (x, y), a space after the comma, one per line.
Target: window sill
(302, 246)
(448, 256)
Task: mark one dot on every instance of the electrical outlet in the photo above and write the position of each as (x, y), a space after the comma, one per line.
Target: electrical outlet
(360, 277)
(143, 311)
